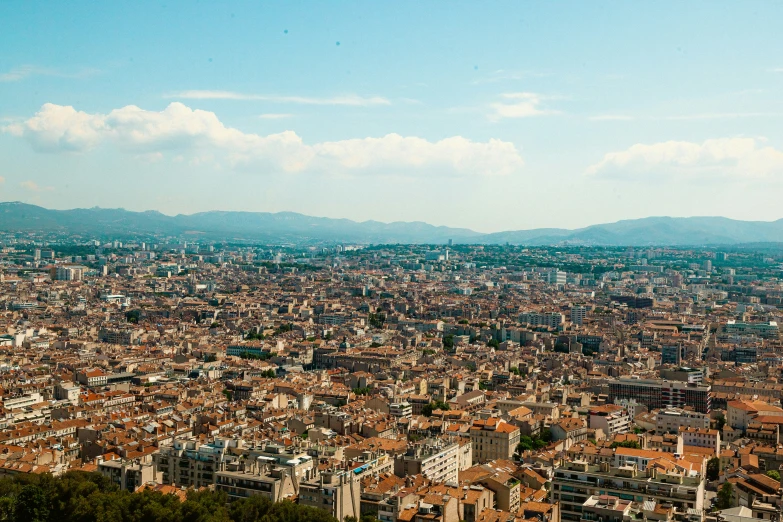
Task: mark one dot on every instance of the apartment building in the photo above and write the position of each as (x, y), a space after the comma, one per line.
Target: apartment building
(493, 439)
(435, 459)
(337, 492)
(68, 273)
(92, 378)
(576, 481)
(188, 463)
(127, 475)
(701, 437)
(257, 479)
(765, 330)
(578, 314)
(671, 419)
(119, 335)
(739, 414)
(548, 319)
(401, 409)
(610, 418)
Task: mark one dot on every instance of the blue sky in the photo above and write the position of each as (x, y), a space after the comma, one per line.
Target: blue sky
(493, 116)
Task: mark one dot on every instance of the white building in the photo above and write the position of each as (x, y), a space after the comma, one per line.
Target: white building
(701, 437)
(671, 419)
(578, 314)
(550, 319)
(610, 418)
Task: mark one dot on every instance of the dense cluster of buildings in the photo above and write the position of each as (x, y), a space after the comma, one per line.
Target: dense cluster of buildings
(412, 383)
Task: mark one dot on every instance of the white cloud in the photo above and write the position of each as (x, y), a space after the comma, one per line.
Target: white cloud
(724, 157)
(187, 134)
(18, 73)
(275, 116)
(349, 99)
(34, 187)
(57, 127)
(519, 105)
(26, 71)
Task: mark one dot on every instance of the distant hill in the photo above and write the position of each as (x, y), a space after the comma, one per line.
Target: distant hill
(299, 228)
(276, 227)
(652, 231)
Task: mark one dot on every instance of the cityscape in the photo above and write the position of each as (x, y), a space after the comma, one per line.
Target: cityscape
(351, 261)
(400, 382)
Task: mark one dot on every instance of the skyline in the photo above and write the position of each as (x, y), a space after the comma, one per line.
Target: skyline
(509, 117)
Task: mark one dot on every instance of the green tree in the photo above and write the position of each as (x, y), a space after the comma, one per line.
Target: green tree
(6, 508)
(376, 320)
(205, 506)
(774, 474)
(31, 505)
(713, 468)
(250, 509)
(720, 421)
(435, 405)
(726, 496)
(626, 444)
(525, 444)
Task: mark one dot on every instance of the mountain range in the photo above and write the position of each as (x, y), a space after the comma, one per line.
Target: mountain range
(291, 227)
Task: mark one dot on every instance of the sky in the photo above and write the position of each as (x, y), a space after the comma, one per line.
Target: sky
(491, 116)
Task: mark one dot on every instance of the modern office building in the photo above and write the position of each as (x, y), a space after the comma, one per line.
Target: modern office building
(657, 393)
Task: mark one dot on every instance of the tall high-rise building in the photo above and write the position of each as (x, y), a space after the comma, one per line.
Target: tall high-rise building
(671, 354)
(578, 314)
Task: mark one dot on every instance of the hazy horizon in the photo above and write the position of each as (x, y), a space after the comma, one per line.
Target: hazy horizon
(586, 225)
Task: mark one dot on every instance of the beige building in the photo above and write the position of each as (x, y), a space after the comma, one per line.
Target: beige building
(671, 419)
(336, 492)
(493, 439)
(701, 437)
(128, 475)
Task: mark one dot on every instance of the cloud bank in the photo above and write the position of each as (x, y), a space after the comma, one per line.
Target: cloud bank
(725, 157)
(180, 130)
(519, 105)
(349, 100)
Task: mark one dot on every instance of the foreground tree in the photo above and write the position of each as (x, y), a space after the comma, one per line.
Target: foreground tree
(726, 496)
(713, 468)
